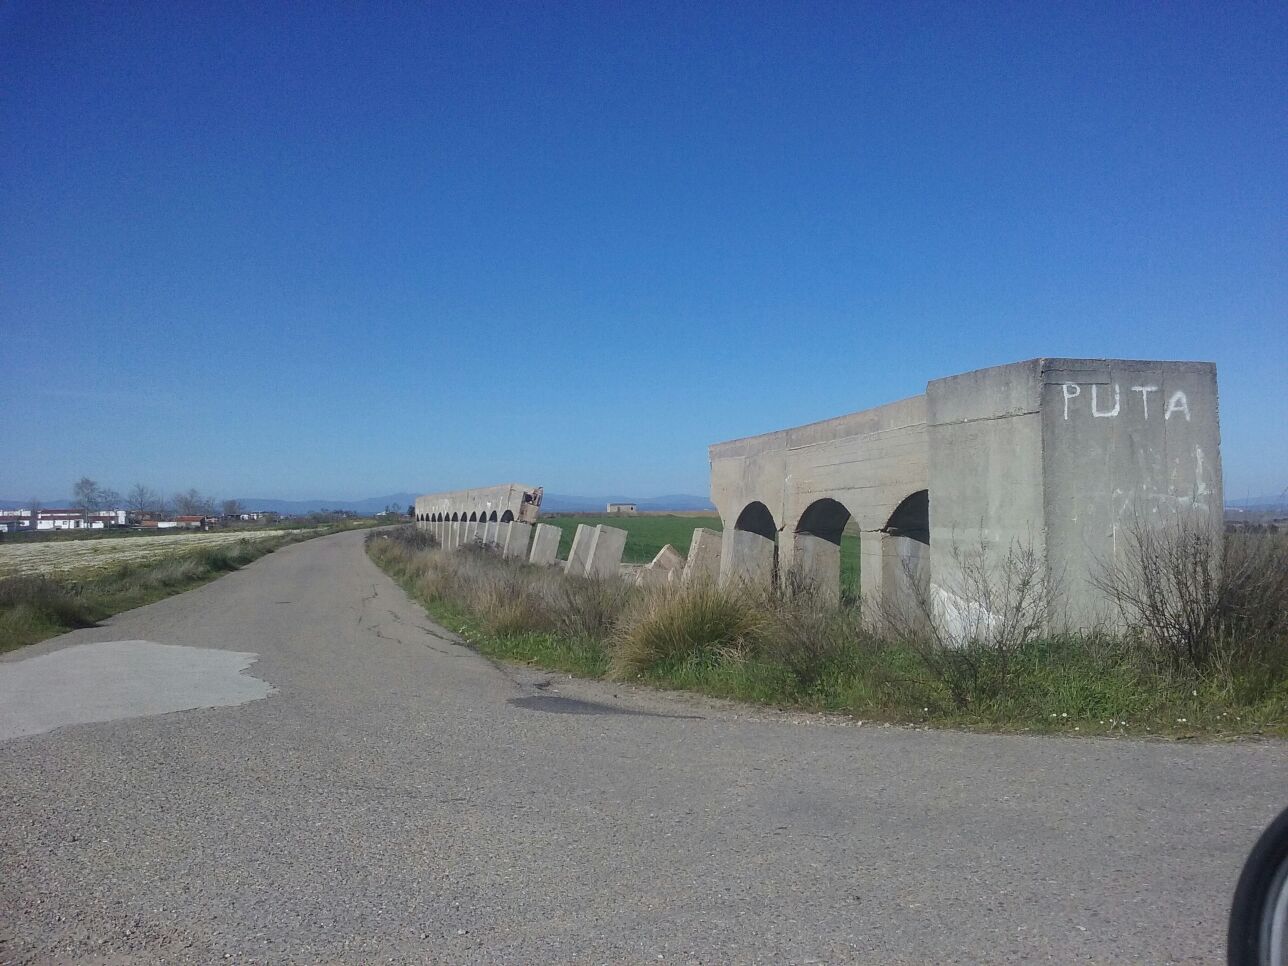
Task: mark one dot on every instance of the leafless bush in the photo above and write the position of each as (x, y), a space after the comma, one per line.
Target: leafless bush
(808, 634)
(968, 626)
(1194, 597)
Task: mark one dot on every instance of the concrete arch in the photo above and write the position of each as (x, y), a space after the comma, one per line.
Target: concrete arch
(455, 517)
(492, 517)
(507, 517)
(814, 566)
(473, 517)
(825, 519)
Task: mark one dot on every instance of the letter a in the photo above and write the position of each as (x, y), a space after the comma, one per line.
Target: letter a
(1177, 404)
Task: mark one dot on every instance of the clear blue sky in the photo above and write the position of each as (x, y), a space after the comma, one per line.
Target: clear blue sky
(341, 250)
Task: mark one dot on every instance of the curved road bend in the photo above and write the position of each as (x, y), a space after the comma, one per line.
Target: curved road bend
(398, 798)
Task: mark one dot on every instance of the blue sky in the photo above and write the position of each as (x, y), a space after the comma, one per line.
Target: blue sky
(340, 250)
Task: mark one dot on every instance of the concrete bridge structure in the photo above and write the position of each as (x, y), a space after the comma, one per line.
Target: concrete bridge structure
(501, 504)
(1059, 456)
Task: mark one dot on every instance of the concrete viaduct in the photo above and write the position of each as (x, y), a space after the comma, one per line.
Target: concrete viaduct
(1054, 455)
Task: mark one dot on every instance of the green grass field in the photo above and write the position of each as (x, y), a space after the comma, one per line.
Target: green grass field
(649, 534)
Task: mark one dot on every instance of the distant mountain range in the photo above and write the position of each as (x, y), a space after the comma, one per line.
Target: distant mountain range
(552, 502)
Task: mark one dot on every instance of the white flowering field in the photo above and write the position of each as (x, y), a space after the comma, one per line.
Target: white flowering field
(67, 555)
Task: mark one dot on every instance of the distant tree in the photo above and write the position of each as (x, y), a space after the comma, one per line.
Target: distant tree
(232, 508)
(411, 509)
(142, 499)
(109, 499)
(193, 503)
(86, 495)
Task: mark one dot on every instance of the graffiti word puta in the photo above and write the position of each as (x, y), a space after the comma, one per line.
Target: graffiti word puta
(1101, 409)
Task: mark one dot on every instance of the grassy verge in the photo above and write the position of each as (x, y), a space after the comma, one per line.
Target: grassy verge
(36, 607)
(794, 653)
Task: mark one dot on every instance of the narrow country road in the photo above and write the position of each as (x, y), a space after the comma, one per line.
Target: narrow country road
(366, 791)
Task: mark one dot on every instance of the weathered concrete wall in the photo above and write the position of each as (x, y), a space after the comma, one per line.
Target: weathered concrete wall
(1055, 456)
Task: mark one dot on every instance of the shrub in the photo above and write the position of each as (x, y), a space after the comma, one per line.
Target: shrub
(669, 626)
(1195, 599)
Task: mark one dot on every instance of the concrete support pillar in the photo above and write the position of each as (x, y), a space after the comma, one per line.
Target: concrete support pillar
(471, 533)
(703, 563)
(517, 534)
(815, 567)
(489, 534)
(605, 555)
(454, 535)
(872, 573)
(905, 577)
(579, 555)
(747, 559)
(545, 545)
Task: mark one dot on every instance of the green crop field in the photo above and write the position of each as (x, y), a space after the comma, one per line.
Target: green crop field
(650, 533)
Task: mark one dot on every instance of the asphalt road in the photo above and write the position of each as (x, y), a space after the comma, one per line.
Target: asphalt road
(397, 798)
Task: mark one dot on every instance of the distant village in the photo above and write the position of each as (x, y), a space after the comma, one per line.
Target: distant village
(31, 520)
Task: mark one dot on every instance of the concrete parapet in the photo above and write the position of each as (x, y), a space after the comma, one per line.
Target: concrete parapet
(703, 562)
(579, 553)
(545, 545)
(605, 554)
(747, 559)
(515, 545)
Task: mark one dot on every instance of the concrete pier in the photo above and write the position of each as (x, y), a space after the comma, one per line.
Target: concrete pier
(545, 545)
(605, 553)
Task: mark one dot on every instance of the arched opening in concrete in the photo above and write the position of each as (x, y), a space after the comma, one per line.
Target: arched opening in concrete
(492, 517)
(474, 517)
(824, 557)
(507, 516)
(905, 556)
(455, 518)
(756, 518)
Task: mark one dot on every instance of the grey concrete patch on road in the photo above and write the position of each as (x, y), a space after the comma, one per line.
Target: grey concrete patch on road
(120, 679)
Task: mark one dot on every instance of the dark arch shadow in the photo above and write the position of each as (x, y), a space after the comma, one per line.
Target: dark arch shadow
(492, 517)
(911, 518)
(756, 518)
(507, 517)
(825, 518)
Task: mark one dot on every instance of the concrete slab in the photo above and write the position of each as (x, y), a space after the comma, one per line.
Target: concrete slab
(545, 545)
(579, 553)
(703, 562)
(490, 534)
(120, 679)
(606, 548)
(668, 558)
(747, 559)
(515, 546)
